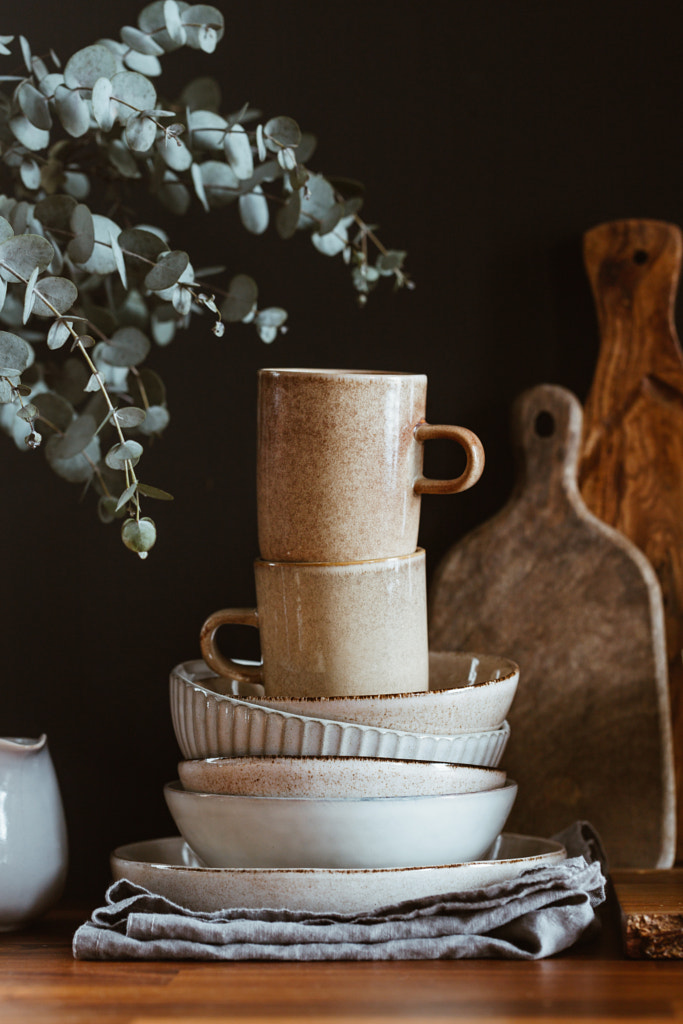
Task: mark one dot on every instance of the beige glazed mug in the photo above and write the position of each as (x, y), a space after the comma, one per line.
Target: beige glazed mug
(339, 463)
(333, 629)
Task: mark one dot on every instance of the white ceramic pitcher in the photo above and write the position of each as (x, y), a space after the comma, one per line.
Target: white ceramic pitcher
(33, 840)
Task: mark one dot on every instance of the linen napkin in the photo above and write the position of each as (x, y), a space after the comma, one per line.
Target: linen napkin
(541, 912)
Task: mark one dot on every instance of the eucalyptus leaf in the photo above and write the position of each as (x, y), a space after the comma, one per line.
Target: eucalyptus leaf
(54, 293)
(73, 111)
(122, 159)
(253, 208)
(3, 292)
(142, 243)
(182, 300)
(282, 132)
(207, 129)
(237, 148)
(174, 25)
(202, 94)
(6, 230)
(143, 42)
(123, 452)
(20, 254)
(77, 469)
(198, 182)
(204, 27)
(81, 222)
(241, 298)
(89, 64)
(164, 323)
(27, 134)
(133, 93)
(15, 355)
(27, 412)
(152, 19)
(167, 271)
(173, 194)
(126, 496)
(154, 492)
(317, 203)
(103, 107)
(143, 63)
(30, 174)
(130, 417)
(34, 106)
(156, 420)
(49, 84)
(28, 295)
(174, 153)
(101, 260)
(59, 334)
(76, 437)
(271, 317)
(127, 347)
(147, 388)
(219, 182)
(140, 132)
(287, 217)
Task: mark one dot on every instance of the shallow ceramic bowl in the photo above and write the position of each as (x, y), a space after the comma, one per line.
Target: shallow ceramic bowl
(333, 777)
(467, 693)
(170, 868)
(213, 717)
(355, 832)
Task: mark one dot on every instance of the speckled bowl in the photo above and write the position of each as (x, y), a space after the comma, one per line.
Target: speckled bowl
(213, 717)
(354, 832)
(169, 867)
(333, 777)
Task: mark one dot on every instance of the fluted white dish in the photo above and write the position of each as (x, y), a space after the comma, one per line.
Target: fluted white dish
(333, 777)
(170, 868)
(353, 832)
(211, 723)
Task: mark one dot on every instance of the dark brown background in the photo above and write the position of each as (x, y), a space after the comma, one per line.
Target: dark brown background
(490, 136)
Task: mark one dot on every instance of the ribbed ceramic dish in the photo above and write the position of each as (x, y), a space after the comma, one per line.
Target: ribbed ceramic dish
(171, 869)
(209, 724)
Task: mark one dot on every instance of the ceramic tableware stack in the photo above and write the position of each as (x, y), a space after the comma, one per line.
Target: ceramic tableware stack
(316, 756)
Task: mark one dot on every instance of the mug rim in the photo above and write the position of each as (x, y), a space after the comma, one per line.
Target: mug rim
(336, 373)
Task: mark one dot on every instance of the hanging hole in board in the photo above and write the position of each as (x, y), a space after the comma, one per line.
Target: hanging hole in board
(640, 257)
(544, 424)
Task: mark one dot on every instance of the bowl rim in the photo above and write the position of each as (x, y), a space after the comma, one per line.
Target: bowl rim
(176, 787)
(182, 672)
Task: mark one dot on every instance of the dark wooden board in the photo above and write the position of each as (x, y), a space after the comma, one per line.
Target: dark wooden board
(578, 606)
(651, 904)
(631, 466)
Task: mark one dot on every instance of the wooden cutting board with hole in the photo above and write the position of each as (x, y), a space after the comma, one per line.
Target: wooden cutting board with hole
(579, 607)
(631, 467)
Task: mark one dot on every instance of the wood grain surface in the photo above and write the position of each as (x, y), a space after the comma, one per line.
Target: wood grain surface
(578, 606)
(631, 467)
(40, 983)
(651, 905)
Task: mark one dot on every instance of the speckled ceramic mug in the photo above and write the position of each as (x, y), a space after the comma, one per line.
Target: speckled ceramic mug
(339, 463)
(333, 629)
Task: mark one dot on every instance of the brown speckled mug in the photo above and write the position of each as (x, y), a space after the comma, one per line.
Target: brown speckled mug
(333, 629)
(339, 463)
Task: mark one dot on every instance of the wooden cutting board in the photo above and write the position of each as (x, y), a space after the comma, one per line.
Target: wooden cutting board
(578, 606)
(651, 905)
(631, 468)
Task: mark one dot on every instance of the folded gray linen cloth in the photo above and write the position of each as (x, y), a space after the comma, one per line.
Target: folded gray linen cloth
(541, 912)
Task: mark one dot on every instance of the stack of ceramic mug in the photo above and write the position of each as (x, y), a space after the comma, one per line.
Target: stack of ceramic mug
(340, 582)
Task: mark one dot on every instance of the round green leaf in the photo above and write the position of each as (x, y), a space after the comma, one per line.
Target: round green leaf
(168, 271)
(59, 292)
(219, 181)
(156, 420)
(27, 134)
(21, 254)
(238, 152)
(34, 106)
(151, 19)
(75, 439)
(127, 347)
(173, 194)
(142, 63)
(55, 212)
(126, 451)
(133, 93)
(89, 64)
(103, 107)
(241, 298)
(287, 217)
(59, 334)
(15, 354)
(122, 159)
(140, 132)
(253, 208)
(202, 94)
(174, 153)
(78, 468)
(282, 132)
(73, 111)
(54, 412)
(30, 174)
(139, 535)
(207, 129)
(101, 260)
(130, 417)
(6, 230)
(81, 246)
(142, 42)
(204, 27)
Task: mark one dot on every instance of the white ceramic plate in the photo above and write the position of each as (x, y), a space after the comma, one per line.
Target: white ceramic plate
(170, 868)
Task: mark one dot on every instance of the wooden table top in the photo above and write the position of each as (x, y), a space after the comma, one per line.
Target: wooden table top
(40, 983)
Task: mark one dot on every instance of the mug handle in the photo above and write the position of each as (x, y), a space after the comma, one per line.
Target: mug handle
(473, 449)
(213, 657)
